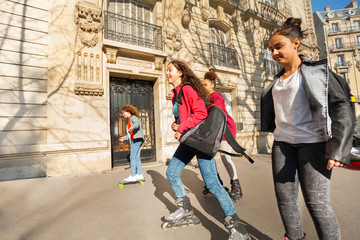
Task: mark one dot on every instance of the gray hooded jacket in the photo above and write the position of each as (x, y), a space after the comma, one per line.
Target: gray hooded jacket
(328, 103)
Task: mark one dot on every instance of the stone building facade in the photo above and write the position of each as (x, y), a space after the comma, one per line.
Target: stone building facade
(67, 67)
(338, 36)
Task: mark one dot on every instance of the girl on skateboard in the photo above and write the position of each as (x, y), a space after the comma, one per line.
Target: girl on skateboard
(187, 115)
(216, 98)
(311, 120)
(136, 136)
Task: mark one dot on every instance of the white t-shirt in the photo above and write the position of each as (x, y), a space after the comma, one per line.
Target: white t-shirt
(293, 117)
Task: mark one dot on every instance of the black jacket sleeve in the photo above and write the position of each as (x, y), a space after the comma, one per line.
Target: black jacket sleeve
(340, 111)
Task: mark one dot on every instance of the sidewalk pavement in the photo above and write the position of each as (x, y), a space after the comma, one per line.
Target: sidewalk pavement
(94, 207)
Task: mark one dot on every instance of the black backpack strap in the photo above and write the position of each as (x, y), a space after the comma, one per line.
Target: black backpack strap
(234, 144)
(178, 97)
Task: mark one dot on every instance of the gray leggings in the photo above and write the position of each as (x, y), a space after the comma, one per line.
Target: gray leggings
(303, 164)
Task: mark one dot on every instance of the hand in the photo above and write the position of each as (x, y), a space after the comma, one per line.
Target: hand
(131, 128)
(332, 162)
(177, 135)
(121, 139)
(174, 127)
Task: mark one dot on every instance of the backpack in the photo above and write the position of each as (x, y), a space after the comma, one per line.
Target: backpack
(205, 138)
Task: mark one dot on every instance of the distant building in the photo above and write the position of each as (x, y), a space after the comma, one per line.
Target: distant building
(338, 36)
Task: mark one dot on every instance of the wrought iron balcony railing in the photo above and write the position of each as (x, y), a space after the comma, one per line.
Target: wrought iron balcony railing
(223, 56)
(132, 31)
(343, 64)
(271, 67)
(344, 29)
(342, 46)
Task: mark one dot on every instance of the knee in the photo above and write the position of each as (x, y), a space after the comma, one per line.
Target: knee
(170, 174)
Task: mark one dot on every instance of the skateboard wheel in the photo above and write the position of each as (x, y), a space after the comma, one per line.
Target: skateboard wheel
(121, 185)
(142, 182)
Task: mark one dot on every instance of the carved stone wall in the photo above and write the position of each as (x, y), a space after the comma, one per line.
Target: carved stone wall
(89, 22)
(89, 73)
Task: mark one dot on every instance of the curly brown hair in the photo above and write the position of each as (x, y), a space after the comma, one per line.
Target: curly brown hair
(188, 76)
(131, 109)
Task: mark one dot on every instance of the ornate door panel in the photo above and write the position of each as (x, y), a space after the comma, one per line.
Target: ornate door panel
(139, 94)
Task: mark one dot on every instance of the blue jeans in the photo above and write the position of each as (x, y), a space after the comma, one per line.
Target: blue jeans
(181, 158)
(305, 165)
(135, 162)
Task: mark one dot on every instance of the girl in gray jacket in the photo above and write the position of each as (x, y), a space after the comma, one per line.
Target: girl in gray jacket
(136, 136)
(311, 120)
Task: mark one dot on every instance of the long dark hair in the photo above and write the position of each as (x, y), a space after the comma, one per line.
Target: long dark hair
(131, 109)
(188, 76)
(291, 28)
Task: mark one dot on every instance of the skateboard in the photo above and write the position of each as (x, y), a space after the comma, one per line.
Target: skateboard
(122, 183)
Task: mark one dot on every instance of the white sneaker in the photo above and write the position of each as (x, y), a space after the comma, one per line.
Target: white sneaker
(131, 179)
(139, 176)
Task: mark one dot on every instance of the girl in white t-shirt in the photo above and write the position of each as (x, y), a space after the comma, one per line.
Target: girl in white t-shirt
(311, 119)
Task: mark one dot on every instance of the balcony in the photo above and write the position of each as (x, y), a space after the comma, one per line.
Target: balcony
(345, 64)
(223, 56)
(132, 31)
(344, 30)
(270, 11)
(342, 46)
(271, 68)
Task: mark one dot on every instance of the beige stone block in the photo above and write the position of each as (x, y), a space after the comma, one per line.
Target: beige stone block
(22, 71)
(26, 20)
(23, 123)
(24, 84)
(22, 58)
(22, 137)
(17, 8)
(22, 110)
(26, 35)
(78, 163)
(7, 96)
(40, 4)
(25, 47)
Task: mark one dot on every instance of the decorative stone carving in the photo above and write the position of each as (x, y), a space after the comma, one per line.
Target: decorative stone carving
(186, 18)
(172, 40)
(88, 74)
(88, 18)
(159, 63)
(111, 55)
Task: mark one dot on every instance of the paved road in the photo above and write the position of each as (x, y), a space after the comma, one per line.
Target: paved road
(94, 207)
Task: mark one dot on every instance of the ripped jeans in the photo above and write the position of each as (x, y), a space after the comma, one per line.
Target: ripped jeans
(304, 165)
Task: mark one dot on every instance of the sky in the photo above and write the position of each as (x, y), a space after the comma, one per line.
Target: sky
(319, 5)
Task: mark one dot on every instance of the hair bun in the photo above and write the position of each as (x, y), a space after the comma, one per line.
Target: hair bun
(211, 75)
(292, 22)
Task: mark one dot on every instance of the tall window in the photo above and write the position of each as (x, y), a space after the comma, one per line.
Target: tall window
(217, 36)
(338, 42)
(341, 60)
(131, 8)
(335, 27)
(358, 41)
(356, 25)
